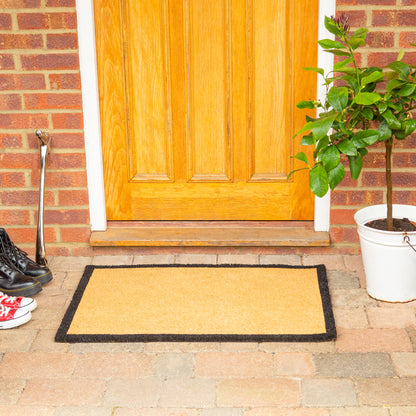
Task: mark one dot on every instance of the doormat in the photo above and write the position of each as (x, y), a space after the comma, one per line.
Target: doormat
(151, 303)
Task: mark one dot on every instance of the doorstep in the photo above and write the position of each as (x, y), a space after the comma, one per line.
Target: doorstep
(210, 234)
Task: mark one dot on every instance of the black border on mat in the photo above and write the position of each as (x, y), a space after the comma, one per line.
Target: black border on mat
(330, 334)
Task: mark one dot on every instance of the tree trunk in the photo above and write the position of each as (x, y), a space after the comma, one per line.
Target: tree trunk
(389, 151)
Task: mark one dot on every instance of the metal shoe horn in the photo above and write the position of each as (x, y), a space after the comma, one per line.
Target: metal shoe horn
(44, 142)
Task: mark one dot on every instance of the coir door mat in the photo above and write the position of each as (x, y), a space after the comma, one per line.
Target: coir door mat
(151, 303)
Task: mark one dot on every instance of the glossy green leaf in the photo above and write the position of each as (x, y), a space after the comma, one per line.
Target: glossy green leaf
(318, 180)
(356, 164)
(384, 130)
(330, 157)
(356, 42)
(360, 33)
(331, 44)
(367, 98)
(407, 89)
(331, 27)
(302, 157)
(338, 97)
(336, 175)
(343, 63)
(400, 55)
(394, 83)
(308, 140)
(365, 138)
(400, 67)
(391, 120)
(374, 76)
(305, 104)
(409, 126)
(313, 69)
(321, 127)
(347, 147)
(367, 113)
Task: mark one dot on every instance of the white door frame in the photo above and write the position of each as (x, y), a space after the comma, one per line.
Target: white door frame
(91, 113)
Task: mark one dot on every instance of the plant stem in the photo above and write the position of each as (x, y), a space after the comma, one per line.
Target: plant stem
(389, 151)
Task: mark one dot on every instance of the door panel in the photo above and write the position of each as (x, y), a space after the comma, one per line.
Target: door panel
(198, 107)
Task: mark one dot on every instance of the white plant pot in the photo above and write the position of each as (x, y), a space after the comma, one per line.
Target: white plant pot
(389, 262)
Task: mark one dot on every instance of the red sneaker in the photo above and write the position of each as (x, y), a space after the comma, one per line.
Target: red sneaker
(10, 318)
(18, 302)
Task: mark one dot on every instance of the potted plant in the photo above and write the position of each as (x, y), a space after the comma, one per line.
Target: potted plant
(365, 106)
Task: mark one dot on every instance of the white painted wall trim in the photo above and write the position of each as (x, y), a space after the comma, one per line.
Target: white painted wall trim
(91, 113)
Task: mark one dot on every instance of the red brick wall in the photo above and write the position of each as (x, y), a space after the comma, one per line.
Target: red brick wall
(40, 88)
(392, 26)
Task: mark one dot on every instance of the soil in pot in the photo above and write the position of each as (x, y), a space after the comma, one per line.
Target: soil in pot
(399, 224)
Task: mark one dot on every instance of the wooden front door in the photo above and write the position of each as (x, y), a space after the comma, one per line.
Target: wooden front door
(198, 107)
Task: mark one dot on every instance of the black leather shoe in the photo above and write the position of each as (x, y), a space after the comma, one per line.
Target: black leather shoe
(22, 262)
(14, 283)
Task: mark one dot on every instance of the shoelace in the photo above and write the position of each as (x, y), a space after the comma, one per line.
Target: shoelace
(4, 310)
(6, 298)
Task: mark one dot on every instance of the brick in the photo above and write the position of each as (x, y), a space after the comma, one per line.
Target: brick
(73, 197)
(66, 392)
(24, 198)
(60, 3)
(174, 365)
(65, 81)
(387, 391)
(382, 59)
(75, 179)
(70, 216)
(380, 39)
(406, 38)
(19, 4)
(23, 121)
(373, 340)
(22, 82)
(328, 393)
(52, 101)
(114, 366)
(66, 161)
(405, 363)
(361, 411)
(15, 217)
(258, 392)
(11, 140)
(10, 102)
(234, 365)
(294, 364)
(38, 21)
(12, 179)
(275, 411)
(5, 21)
(50, 62)
(13, 41)
(342, 216)
(11, 390)
(391, 317)
(354, 365)
(67, 121)
(6, 62)
(18, 160)
(133, 393)
(403, 411)
(62, 41)
(37, 364)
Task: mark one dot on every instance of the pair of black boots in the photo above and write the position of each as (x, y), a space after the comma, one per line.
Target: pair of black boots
(19, 275)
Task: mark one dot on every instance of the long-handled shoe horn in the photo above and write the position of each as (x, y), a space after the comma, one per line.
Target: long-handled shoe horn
(44, 141)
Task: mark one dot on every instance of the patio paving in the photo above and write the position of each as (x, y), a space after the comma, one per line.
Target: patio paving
(370, 370)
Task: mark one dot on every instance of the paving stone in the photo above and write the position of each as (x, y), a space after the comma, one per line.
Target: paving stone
(66, 392)
(373, 340)
(314, 347)
(133, 393)
(112, 260)
(411, 332)
(403, 411)
(234, 365)
(331, 262)
(353, 318)
(342, 279)
(154, 412)
(11, 389)
(328, 393)
(405, 363)
(351, 298)
(222, 412)
(391, 317)
(17, 339)
(158, 347)
(239, 346)
(188, 392)
(258, 392)
(114, 365)
(27, 410)
(68, 264)
(196, 259)
(387, 391)
(290, 260)
(109, 347)
(362, 411)
(294, 364)
(275, 411)
(83, 411)
(45, 342)
(154, 259)
(354, 365)
(37, 364)
(238, 259)
(174, 365)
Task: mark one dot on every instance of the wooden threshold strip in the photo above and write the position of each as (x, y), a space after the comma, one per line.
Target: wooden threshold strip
(216, 235)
